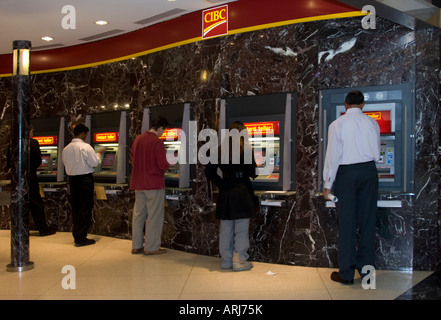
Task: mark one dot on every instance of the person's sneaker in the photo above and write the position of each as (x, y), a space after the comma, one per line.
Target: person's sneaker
(240, 265)
(86, 242)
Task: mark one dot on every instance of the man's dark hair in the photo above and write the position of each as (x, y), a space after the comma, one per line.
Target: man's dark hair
(159, 122)
(354, 97)
(80, 128)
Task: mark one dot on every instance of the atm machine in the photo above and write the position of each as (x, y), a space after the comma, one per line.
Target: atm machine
(109, 130)
(176, 141)
(264, 137)
(270, 121)
(393, 108)
(178, 178)
(50, 134)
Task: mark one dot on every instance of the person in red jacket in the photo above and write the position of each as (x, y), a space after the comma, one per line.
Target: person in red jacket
(149, 163)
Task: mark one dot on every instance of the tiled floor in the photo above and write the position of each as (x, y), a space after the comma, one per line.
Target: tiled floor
(107, 270)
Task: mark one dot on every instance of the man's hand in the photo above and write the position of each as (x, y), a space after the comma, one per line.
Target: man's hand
(326, 193)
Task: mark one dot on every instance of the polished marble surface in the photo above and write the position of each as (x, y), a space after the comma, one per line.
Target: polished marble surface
(428, 289)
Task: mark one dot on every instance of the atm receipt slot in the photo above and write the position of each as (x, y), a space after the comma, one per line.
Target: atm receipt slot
(113, 191)
(174, 197)
(273, 203)
(380, 204)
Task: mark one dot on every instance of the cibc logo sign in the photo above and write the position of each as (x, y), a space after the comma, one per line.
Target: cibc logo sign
(215, 22)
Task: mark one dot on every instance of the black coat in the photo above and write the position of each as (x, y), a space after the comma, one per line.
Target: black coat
(34, 159)
(236, 195)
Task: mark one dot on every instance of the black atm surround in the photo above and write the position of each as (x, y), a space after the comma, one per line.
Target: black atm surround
(280, 107)
(402, 98)
(54, 126)
(176, 114)
(114, 121)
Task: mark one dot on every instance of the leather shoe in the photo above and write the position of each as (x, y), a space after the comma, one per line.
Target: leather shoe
(137, 251)
(335, 276)
(86, 242)
(151, 253)
(50, 231)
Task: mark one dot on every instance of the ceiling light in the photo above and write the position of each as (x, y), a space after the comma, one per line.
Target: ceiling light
(47, 38)
(101, 22)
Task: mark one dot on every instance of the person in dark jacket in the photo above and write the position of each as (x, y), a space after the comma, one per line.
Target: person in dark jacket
(35, 201)
(36, 205)
(236, 202)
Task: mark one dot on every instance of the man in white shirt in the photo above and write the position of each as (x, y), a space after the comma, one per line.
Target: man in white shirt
(353, 148)
(79, 159)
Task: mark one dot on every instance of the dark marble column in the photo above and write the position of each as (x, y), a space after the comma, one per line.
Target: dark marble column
(19, 148)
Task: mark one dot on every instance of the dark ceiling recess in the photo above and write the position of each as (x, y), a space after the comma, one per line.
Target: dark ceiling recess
(437, 3)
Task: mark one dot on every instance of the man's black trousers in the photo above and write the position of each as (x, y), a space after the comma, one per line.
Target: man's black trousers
(356, 187)
(81, 200)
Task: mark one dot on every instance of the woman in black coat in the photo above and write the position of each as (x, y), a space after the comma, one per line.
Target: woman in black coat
(236, 202)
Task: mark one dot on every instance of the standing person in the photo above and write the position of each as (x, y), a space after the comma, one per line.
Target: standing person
(36, 205)
(235, 205)
(79, 159)
(149, 163)
(353, 148)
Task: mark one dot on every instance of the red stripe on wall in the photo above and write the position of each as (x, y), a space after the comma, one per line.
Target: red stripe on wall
(242, 14)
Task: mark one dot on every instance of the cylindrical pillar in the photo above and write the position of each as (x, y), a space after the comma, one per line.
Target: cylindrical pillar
(19, 145)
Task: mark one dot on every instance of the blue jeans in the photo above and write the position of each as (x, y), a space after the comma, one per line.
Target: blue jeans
(233, 237)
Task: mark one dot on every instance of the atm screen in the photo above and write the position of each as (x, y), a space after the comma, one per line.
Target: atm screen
(45, 159)
(383, 113)
(173, 170)
(264, 136)
(171, 134)
(171, 138)
(109, 159)
(383, 118)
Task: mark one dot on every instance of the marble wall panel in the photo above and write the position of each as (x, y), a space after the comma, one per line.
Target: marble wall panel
(426, 219)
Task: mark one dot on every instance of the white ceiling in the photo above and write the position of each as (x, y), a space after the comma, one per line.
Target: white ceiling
(34, 19)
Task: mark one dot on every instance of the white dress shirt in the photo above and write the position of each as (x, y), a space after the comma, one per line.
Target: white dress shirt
(79, 158)
(352, 138)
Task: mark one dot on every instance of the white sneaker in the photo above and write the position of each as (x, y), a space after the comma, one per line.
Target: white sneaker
(240, 265)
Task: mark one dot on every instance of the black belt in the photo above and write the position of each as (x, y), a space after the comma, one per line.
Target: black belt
(357, 164)
(81, 175)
